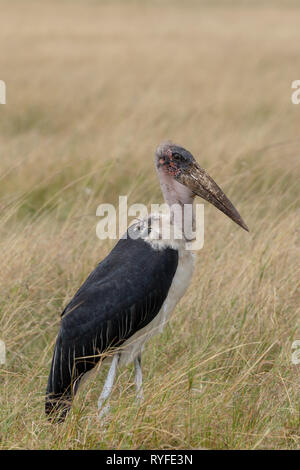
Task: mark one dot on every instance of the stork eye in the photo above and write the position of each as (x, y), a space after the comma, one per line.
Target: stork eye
(177, 157)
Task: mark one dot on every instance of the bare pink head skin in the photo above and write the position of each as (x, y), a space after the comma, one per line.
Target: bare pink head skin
(181, 179)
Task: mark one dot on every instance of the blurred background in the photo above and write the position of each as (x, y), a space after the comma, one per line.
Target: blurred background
(92, 88)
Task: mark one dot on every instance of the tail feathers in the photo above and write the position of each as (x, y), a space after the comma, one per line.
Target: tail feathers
(57, 407)
(64, 378)
(59, 393)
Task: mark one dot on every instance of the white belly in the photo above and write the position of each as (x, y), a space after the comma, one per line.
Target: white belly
(134, 345)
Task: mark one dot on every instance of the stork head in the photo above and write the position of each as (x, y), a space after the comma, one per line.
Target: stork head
(180, 173)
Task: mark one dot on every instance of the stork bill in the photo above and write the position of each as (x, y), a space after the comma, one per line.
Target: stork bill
(131, 293)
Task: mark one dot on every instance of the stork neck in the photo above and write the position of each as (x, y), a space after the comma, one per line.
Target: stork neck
(180, 200)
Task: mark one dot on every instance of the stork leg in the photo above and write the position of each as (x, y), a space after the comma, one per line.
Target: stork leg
(138, 378)
(107, 388)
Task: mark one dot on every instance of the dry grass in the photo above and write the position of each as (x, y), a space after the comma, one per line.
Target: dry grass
(92, 88)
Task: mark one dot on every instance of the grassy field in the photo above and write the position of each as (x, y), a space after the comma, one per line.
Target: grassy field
(92, 88)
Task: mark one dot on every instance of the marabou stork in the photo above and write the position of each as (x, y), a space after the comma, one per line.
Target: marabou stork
(132, 292)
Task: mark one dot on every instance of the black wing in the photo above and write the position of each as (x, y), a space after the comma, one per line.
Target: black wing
(122, 295)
